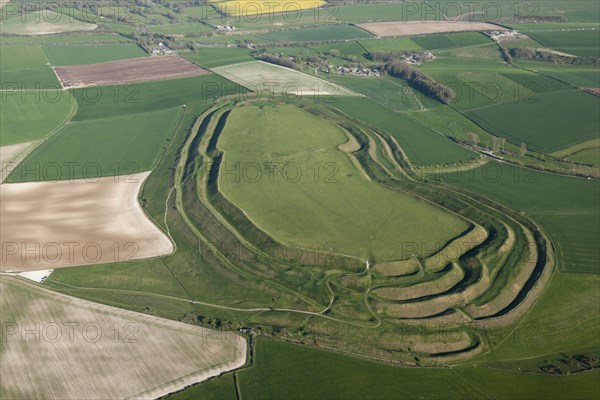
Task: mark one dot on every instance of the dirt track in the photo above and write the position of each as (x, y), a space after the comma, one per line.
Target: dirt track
(135, 70)
(69, 223)
(408, 28)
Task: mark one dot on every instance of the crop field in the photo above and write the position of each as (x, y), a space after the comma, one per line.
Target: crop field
(333, 32)
(45, 22)
(100, 219)
(375, 225)
(25, 67)
(410, 28)
(530, 121)
(581, 43)
(113, 342)
(89, 54)
(262, 77)
(137, 70)
(251, 7)
(390, 92)
(112, 101)
(209, 57)
(89, 38)
(101, 148)
(31, 115)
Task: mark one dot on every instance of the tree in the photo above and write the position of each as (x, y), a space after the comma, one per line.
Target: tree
(334, 53)
(473, 138)
(523, 149)
(495, 144)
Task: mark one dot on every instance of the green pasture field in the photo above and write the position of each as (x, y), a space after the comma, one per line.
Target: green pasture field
(33, 115)
(210, 57)
(319, 374)
(106, 38)
(487, 51)
(587, 156)
(388, 91)
(422, 145)
(25, 67)
(553, 325)
(527, 27)
(476, 82)
(581, 43)
(289, 371)
(218, 388)
(584, 77)
(548, 199)
(537, 83)
(322, 33)
(112, 146)
(373, 225)
(391, 44)
(434, 42)
(91, 54)
(352, 48)
(43, 22)
(181, 28)
(451, 123)
(574, 120)
(110, 101)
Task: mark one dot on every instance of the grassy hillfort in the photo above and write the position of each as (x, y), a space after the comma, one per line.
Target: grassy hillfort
(319, 199)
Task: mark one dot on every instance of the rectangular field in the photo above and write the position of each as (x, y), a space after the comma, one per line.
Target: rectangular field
(574, 119)
(248, 8)
(110, 101)
(410, 28)
(136, 70)
(262, 77)
(31, 115)
(25, 67)
(321, 33)
(91, 54)
(101, 147)
(45, 22)
(47, 225)
(78, 349)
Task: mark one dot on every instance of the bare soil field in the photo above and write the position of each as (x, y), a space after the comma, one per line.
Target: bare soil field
(411, 28)
(58, 347)
(48, 225)
(13, 154)
(135, 70)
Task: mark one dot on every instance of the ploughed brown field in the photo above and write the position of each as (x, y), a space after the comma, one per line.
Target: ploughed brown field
(135, 70)
(409, 28)
(48, 225)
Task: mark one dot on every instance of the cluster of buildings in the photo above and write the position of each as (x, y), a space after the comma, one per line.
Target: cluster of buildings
(352, 71)
(162, 50)
(226, 28)
(499, 36)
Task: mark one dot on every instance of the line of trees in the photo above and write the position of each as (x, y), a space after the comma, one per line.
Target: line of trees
(420, 81)
(279, 60)
(538, 55)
